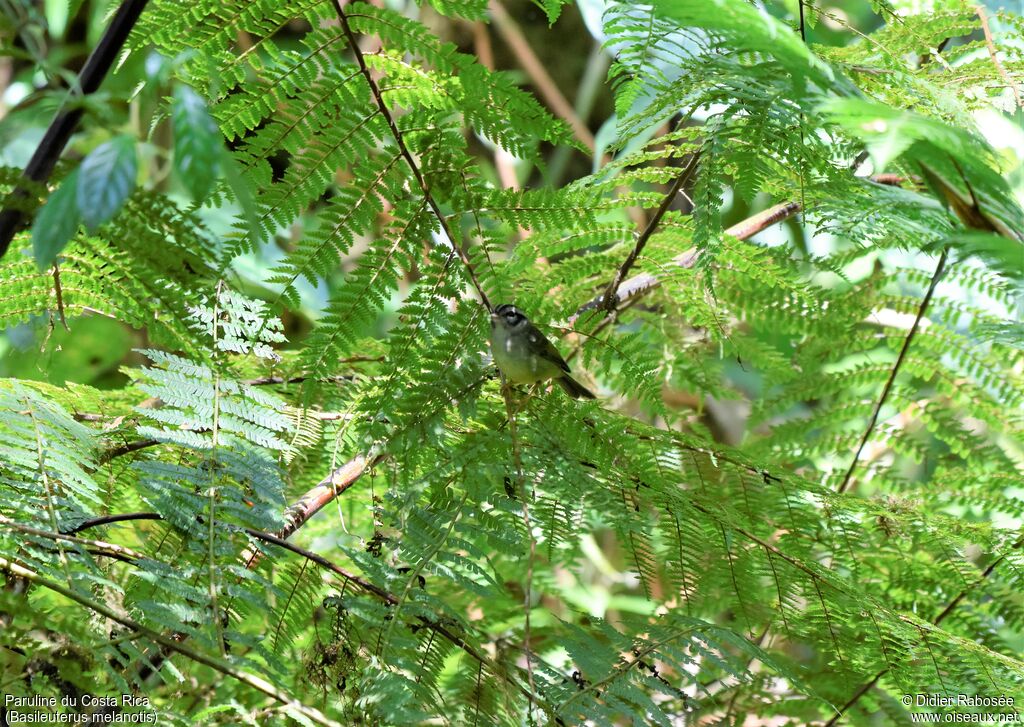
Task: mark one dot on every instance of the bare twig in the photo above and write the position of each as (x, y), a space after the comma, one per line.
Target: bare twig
(326, 490)
(611, 297)
(111, 519)
(105, 547)
(643, 282)
(58, 293)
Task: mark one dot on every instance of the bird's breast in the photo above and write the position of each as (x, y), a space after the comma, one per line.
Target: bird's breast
(512, 353)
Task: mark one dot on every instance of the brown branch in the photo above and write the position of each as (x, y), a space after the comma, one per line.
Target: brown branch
(980, 10)
(124, 449)
(58, 293)
(892, 180)
(314, 500)
(105, 548)
(744, 230)
(534, 68)
(406, 154)
(939, 269)
(611, 298)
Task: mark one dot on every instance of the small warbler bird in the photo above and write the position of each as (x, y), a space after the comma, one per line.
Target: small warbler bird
(525, 356)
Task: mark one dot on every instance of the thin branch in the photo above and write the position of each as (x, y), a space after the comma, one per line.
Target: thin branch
(169, 643)
(107, 548)
(124, 449)
(58, 293)
(611, 298)
(406, 154)
(939, 269)
(534, 68)
(111, 519)
(993, 53)
(643, 282)
(321, 494)
(275, 380)
(96, 67)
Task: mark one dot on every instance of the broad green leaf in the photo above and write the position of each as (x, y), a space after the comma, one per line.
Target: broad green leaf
(197, 143)
(106, 178)
(1000, 253)
(889, 132)
(958, 166)
(56, 222)
(752, 29)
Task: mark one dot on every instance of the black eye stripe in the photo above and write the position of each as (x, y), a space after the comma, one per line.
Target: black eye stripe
(510, 313)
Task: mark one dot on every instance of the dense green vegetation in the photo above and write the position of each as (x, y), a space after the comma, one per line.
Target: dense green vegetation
(256, 464)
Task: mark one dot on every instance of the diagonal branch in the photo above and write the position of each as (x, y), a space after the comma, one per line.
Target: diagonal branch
(610, 297)
(639, 284)
(939, 269)
(539, 75)
(101, 546)
(406, 154)
(45, 157)
(994, 54)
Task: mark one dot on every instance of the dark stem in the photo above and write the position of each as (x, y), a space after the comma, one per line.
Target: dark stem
(939, 269)
(406, 154)
(611, 297)
(41, 165)
(124, 449)
(110, 519)
(641, 283)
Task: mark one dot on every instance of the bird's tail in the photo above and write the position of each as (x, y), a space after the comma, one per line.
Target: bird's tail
(574, 388)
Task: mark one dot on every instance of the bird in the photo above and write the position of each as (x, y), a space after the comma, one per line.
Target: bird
(525, 356)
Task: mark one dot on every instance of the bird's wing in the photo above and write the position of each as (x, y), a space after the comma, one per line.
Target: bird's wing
(549, 352)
